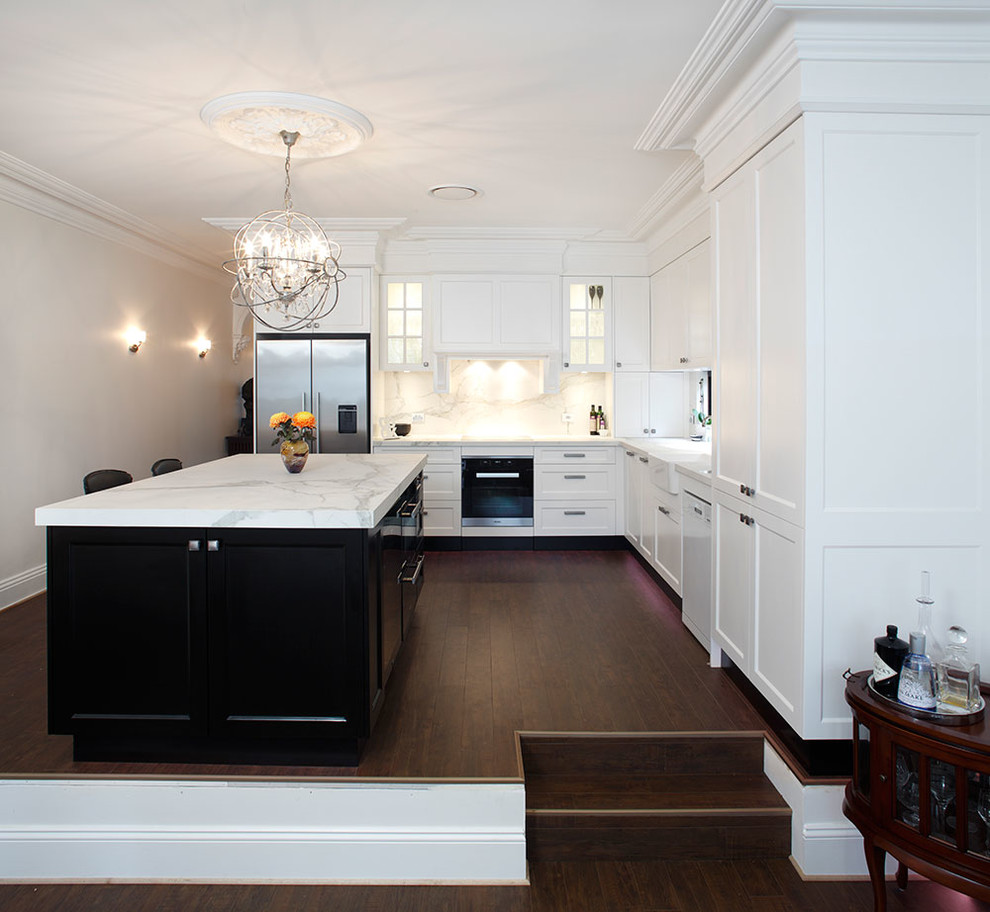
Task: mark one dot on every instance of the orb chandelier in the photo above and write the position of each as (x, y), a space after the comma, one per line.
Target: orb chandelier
(285, 268)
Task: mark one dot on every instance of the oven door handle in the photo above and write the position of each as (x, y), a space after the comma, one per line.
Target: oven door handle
(496, 474)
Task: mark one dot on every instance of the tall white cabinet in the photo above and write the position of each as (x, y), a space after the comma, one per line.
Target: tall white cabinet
(849, 315)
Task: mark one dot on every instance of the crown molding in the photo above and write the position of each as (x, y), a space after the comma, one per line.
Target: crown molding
(37, 191)
(672, 193)
(749, 39)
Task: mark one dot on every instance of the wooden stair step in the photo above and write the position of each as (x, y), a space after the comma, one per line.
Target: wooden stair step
(650, 792)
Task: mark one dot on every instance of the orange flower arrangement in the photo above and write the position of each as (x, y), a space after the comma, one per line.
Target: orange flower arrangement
(298, 427)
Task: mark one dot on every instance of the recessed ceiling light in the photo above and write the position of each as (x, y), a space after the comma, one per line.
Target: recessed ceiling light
(253, 121)
(454, 192)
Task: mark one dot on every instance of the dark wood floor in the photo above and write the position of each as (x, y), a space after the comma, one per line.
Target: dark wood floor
(503, 641)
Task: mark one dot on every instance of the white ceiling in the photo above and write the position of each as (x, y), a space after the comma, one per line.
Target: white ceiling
(537, 102)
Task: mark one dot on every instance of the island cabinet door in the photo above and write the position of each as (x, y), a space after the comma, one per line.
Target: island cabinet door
(126, 631)
(288, 633)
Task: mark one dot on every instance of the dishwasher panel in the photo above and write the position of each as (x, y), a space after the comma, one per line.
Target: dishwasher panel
(696, 576)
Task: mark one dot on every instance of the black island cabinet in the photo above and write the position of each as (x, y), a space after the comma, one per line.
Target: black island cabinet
(220, 645)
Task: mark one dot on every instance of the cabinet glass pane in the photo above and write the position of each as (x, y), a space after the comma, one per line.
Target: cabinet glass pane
(596, 323)
(942, 783)
(396, 322)
(978, 816)
(396, 295)
(579, 297)
(596, 351)
(907, 778)
(414, 323)
(579, 351)
(863, 760)
(414, 296)
(579, 323)
(396, 351)
(414, 351)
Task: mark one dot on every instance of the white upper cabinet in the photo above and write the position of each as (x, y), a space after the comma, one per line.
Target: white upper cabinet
(759, 389)
(509, 315)
(587, 320)
(353, 311)
(405, 323)
(649, 405)
(681, 312)
(631, 322)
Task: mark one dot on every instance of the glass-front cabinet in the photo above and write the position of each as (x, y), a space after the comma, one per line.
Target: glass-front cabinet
(587, 323)
(920, 791)
(405, 323)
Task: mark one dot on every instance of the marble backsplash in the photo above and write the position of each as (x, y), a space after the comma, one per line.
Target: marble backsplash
(496, 398)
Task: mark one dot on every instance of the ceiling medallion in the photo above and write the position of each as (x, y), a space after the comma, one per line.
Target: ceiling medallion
(254, 121)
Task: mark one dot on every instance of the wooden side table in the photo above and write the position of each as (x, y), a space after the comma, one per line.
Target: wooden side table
(920, 791)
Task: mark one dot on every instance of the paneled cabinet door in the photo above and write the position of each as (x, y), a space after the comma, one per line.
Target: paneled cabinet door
(587, 319)
(759, 374)
(632, 405)
(633, 479)
(759, 578)
(352, 312)
(667, 542)
(681, 316)
(631, 322)
(405, 324)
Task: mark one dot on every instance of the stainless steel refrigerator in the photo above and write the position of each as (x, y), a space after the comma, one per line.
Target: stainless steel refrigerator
(328, 375)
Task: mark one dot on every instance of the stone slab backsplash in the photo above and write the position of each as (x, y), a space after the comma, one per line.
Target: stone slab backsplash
(497, 398)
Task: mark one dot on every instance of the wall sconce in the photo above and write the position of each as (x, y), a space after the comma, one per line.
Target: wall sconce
(135, 338)
(204, 346)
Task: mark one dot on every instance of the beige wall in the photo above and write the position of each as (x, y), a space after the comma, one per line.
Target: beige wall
(74, 398)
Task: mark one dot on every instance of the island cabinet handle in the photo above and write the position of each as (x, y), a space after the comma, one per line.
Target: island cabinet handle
(194, 545)
(213, 545)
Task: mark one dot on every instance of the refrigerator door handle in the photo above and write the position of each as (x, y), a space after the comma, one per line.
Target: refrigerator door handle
(316, 430)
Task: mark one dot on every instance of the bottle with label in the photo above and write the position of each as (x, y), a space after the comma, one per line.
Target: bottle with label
(933, 648)
(888, 657)
(916, 686)
(593, 420)
(957, 677)
(601, 420)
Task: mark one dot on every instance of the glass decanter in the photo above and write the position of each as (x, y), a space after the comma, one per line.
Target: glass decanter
(957, 677)
(933, 649)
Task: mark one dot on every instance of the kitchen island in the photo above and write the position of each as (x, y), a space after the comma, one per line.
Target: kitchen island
(228, 612)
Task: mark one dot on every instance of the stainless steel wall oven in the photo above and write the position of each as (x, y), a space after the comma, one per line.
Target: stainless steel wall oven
(497, 491)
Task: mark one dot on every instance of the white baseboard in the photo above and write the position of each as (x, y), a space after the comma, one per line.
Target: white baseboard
(258, 832)
(22, 586)
(823, 842)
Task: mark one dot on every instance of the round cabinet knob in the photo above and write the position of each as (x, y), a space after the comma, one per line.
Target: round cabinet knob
(618, 364)
(883, 777)
(567, 364)
(426, 364)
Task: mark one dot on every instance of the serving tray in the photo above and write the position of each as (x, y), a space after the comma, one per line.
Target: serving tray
(941, 715)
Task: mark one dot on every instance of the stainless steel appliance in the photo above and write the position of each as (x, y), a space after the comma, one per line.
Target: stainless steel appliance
(328, 375)
(497, 491)
(696, 611)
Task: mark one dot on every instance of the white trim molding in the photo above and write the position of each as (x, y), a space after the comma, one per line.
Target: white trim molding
(22, 586)
(313, 831)
(37, 191)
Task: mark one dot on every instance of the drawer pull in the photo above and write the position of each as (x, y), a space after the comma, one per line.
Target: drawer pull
(575, 455)
(644, 460)
(574, 513)
(664, 510)
(630, 453)
(575, 477)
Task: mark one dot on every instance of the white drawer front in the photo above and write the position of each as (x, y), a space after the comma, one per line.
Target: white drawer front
(574, 518)
(435, 455)
(443, 481)
(442, 518)
(574, 455)
(582, 481)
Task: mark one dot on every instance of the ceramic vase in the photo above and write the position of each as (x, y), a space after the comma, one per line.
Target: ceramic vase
(294, 455)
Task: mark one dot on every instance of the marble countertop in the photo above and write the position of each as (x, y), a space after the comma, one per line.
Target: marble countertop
(458, 439)
(342, 491)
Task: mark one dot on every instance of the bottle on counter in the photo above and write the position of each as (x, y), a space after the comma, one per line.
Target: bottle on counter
(593, 420)
(888, 657)
(601, 420)
(933, 648)
(957, 678)
(916, 686)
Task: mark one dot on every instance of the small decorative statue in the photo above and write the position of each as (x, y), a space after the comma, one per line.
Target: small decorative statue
(246, 428)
